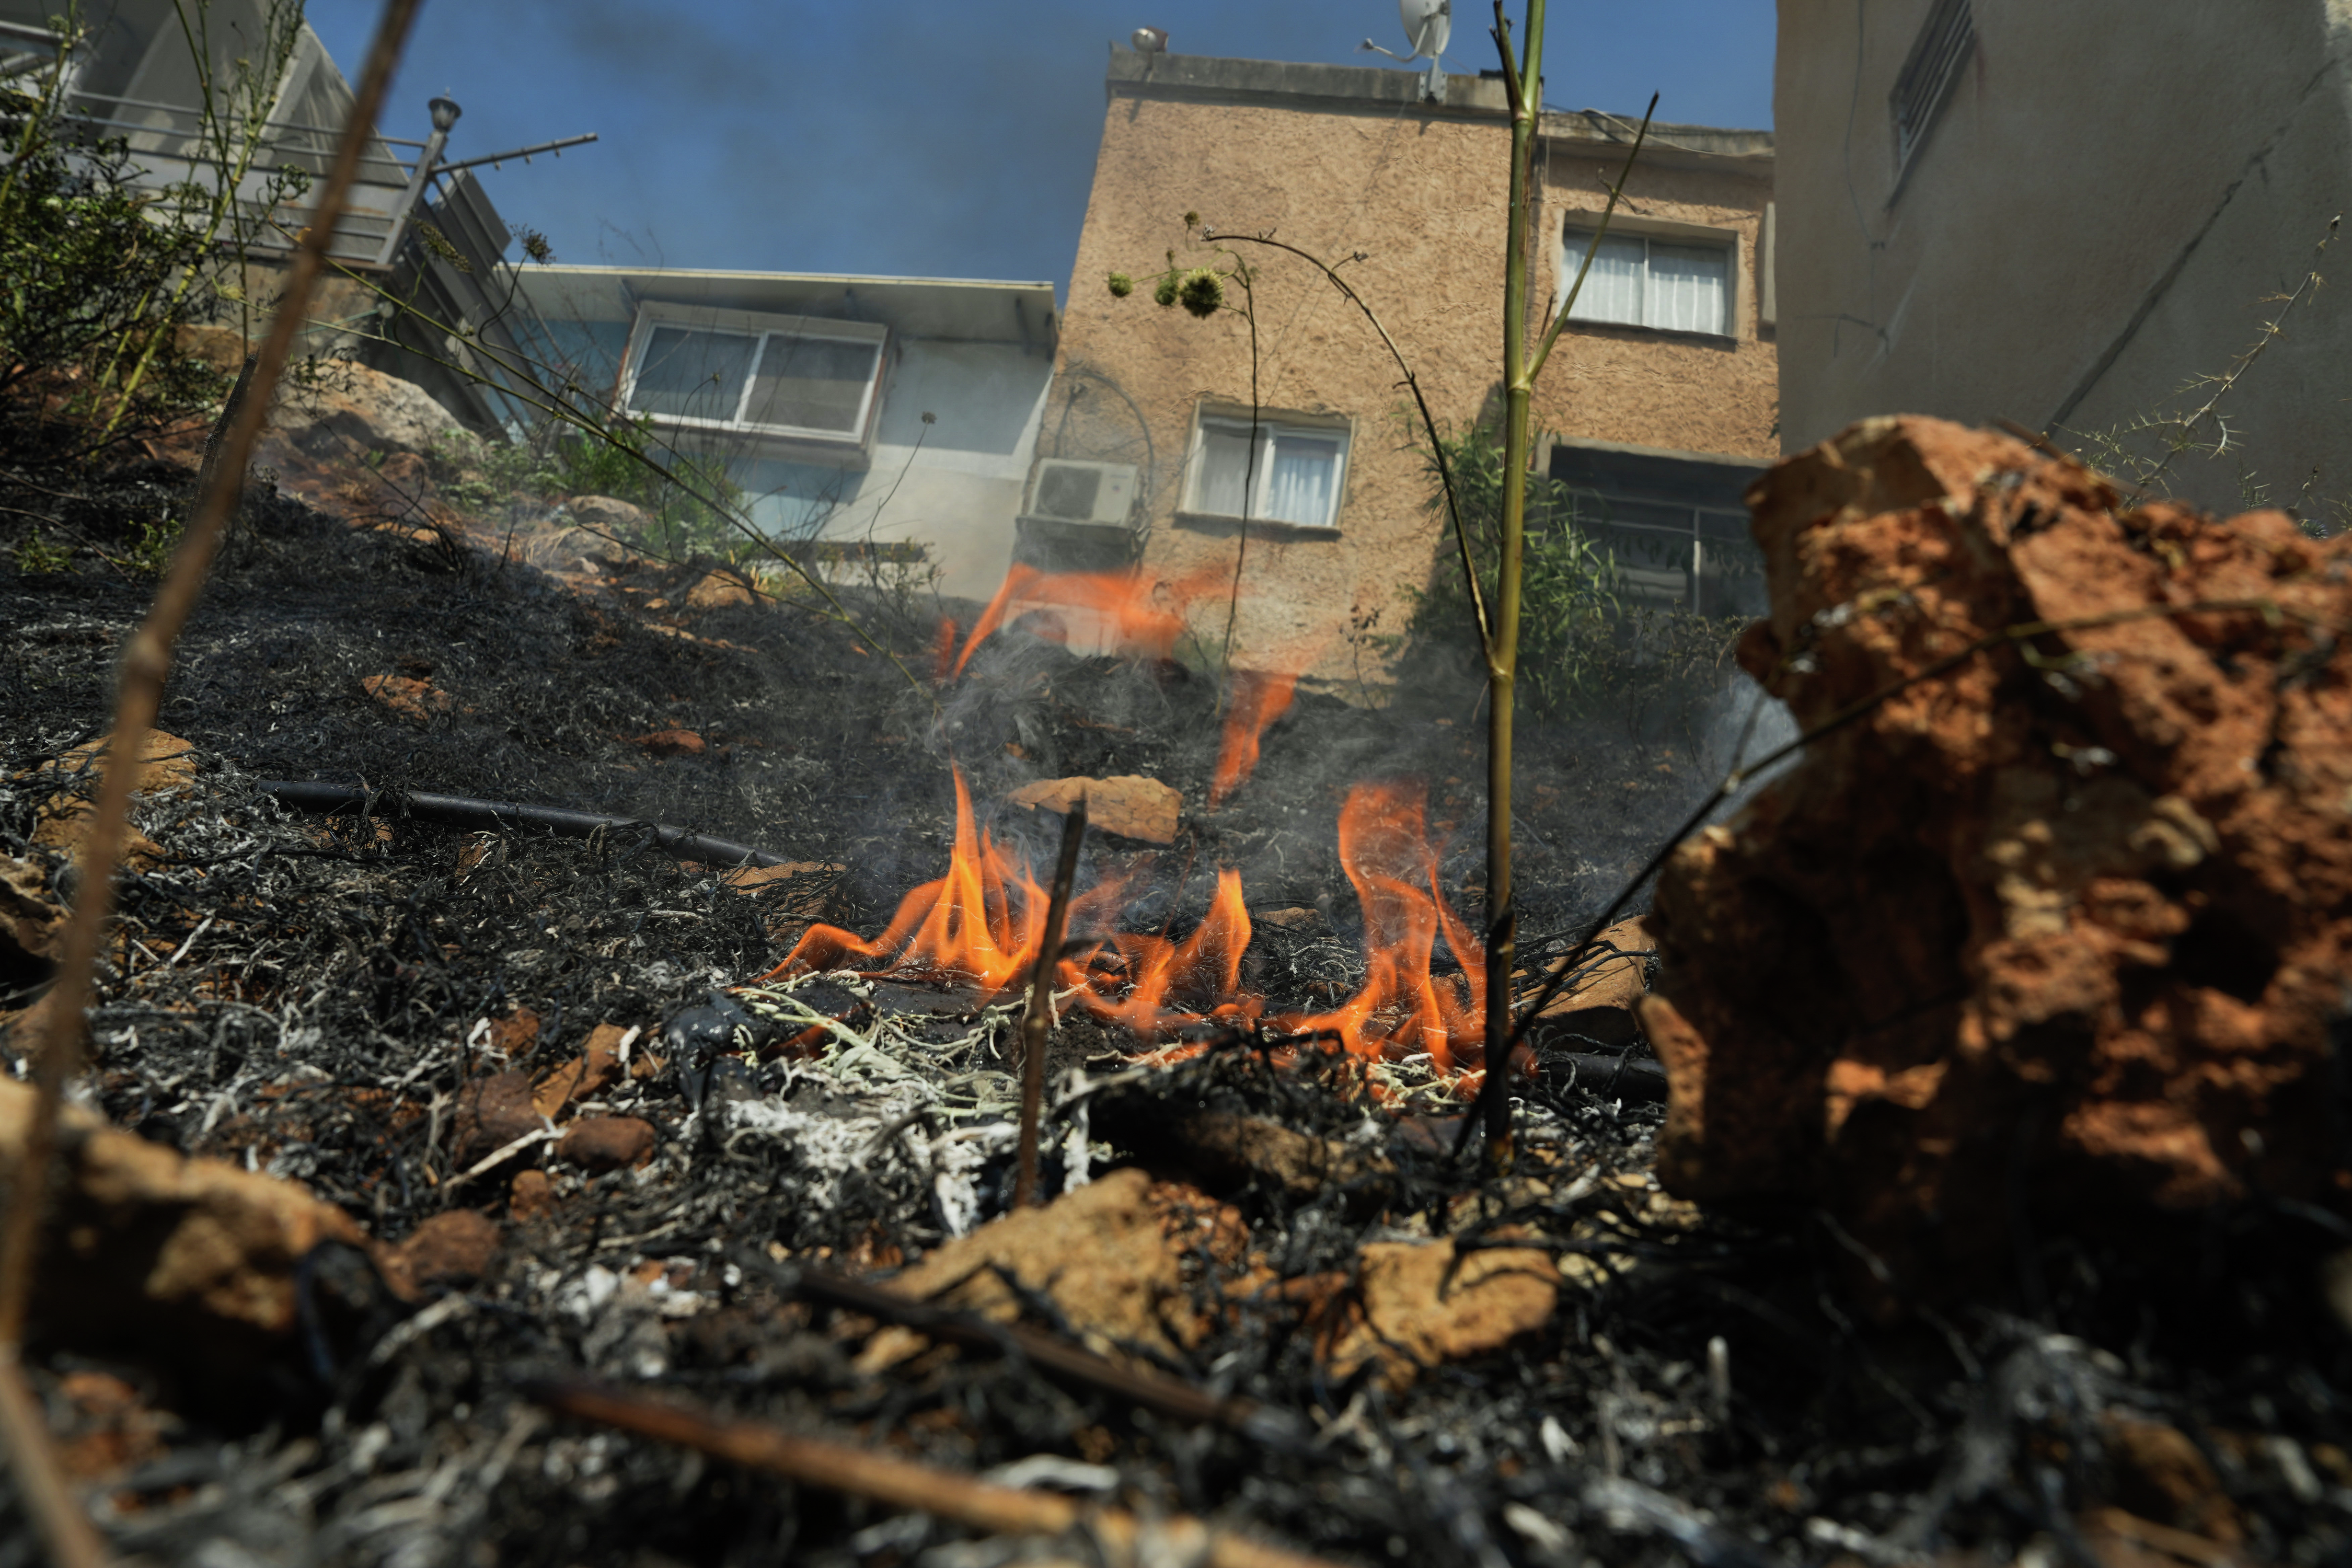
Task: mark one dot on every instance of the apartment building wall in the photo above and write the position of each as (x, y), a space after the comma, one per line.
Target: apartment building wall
(1409, 198)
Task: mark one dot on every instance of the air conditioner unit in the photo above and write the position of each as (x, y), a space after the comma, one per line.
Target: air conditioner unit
(1101, 493)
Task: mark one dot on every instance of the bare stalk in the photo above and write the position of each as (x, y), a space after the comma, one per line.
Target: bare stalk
(146, 663)
(1038, 1018)
(1522, 81)
(1412, 385)
(1118, 1536)
(2224, 383)
(72, 1541)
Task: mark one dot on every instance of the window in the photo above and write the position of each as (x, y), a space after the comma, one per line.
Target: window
(1937, 54)
(1640, 281)
(779, 375)
(1296, 477)
(1675, 524)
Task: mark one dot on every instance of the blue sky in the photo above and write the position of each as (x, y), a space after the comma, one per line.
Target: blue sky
(919, 139)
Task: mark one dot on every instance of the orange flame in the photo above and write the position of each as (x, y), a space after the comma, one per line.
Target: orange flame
(1402, 1007)
(981, 922)
(1260, 697)
(1125, 613)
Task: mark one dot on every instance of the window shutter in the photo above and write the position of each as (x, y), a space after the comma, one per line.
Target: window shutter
(1942, 47)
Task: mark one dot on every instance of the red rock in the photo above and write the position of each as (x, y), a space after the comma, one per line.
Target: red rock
(2077, 920)
(597, 1144)
(32, 925)
(492, 1112)
(671, 743)
(1130, 805)
(718, 590)
(197, 1256)
(454, 1248)
(533, 1195)
(1423, 1304)
(410, 697)
(597, 1067)
(517, 1033)
(1600, 1008)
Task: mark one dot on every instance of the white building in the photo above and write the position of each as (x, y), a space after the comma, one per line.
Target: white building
(858, 414)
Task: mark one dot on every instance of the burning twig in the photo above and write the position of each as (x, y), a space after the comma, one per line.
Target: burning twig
(1038, 1018)
(897, 1483)
(146, 664)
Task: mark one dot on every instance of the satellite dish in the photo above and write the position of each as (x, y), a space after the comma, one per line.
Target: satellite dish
(1149, 40)
(1428, 24)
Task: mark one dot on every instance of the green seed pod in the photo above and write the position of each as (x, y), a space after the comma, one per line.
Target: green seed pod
(1202, 291)
(1166, 293)
(1121, 285)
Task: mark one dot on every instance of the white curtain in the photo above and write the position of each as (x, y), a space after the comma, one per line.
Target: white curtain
(1690, 288)
(1613, 289)
(1298, 488)
(1223, 467)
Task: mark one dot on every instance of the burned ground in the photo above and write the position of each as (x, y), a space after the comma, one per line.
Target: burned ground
(344, 1002)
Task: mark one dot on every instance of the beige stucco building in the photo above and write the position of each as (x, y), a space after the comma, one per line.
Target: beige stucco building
(1661, 411)
(2063, 214)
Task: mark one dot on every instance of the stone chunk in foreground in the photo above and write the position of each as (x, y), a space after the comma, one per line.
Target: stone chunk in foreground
(2060, 937)
(1112, 1255)
(1130, 805)
(147, 1245)
(1422, 1303)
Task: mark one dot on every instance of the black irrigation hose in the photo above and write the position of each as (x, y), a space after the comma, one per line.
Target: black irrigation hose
(1612, 1077)
(466, 811)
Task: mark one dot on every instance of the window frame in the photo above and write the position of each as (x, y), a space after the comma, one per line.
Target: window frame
(763, 327)
(1707, 543)
(1577, 226)
(1938, 58)
(1270, 424)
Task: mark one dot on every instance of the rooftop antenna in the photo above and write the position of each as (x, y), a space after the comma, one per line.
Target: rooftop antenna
(1428, 23)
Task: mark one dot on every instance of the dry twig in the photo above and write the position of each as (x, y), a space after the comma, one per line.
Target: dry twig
(1067, 1362)
(146, 662)
(1119, 1537)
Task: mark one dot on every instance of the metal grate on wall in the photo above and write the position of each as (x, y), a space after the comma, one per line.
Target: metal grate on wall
(1936, 57)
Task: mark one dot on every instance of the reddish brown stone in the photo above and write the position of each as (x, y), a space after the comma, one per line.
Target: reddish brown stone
(517, 1033)
(597, 1067)
(407, 696)
(447, 1250)
(492, 1112)
(671, 743)
(2077, 916)
(2157, 1473)
(533, 1195)
(606, 1142)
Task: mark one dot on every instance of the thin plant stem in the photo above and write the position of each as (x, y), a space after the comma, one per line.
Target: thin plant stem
(1522, 81)
(146, 664)
(1616, 193)
(1249, 484)
(899, 1483)
(2227, 381)
(72, 1541)
(1420, 402)
(231, 163)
